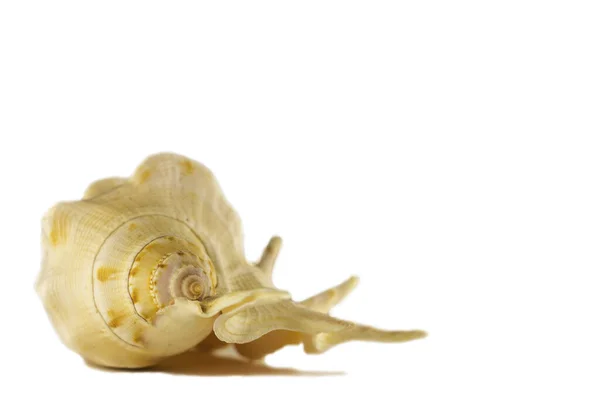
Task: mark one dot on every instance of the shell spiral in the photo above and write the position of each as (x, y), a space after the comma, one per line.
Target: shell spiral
(142, 267)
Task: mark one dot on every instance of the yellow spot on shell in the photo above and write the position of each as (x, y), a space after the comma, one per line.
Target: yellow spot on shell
(58, 232)
(115, 319)
(137, 337)
(54, 237)
(145, 175)
(106, 273)
(134, 295)
(187, 167)
(132, 226)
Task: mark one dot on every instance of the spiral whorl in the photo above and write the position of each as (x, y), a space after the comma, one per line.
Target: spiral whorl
(167, 268)
(181, 274)
(143, 267)
(192, 283)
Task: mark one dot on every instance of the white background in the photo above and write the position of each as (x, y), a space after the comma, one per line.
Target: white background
(445, 151)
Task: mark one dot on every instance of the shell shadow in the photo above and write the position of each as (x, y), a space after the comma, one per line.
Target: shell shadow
(223, 362)
(226, 362)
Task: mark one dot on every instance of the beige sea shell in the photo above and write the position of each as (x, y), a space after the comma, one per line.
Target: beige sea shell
(151, 266)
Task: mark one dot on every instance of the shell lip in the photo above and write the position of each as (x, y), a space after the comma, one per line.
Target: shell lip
(234, 301)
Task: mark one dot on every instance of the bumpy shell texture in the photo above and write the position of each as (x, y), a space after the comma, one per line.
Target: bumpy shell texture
(151, 266)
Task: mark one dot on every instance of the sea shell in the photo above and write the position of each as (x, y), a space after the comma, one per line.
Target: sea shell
(151, 266)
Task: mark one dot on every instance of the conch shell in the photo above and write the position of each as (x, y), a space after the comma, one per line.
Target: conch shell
(151, 266)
